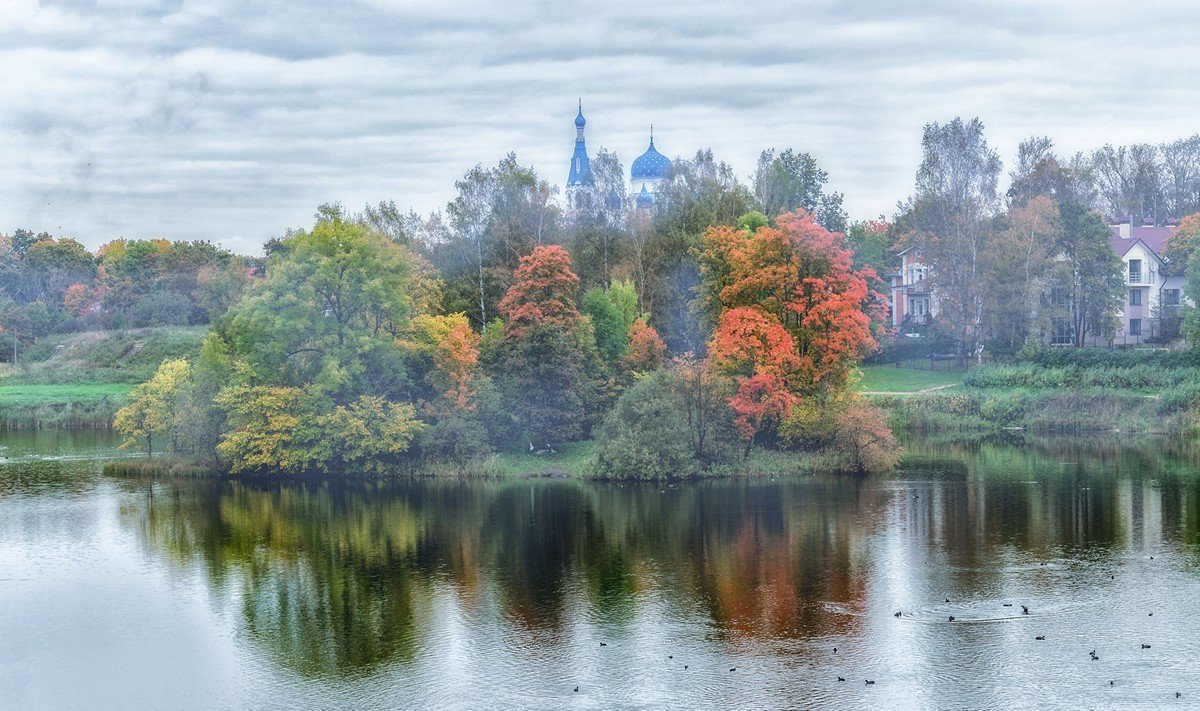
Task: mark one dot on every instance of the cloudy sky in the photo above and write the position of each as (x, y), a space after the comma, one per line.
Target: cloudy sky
(231, 120)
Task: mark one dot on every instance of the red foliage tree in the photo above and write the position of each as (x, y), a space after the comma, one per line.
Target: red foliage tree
(792, 314)
(802, 275)
(546, 366)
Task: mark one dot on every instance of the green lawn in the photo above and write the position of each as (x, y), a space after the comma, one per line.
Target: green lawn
(890, 379)
(571, 459)
(63, 394)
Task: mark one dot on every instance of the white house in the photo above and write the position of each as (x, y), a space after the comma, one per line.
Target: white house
(1152, 293)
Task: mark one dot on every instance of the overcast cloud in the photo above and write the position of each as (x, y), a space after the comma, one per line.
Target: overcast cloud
(231, 120)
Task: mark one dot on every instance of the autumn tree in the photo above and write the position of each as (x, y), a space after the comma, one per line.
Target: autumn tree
(1183, 244)
(697, 194)
(646, 348)
(792, 315)
(457, 383)
(547, 348)
(152, 405)
(499, 215)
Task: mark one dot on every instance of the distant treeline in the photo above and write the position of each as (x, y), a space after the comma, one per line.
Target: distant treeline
(56, 285)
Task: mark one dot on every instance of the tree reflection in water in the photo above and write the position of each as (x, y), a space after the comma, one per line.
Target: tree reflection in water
(340, 578)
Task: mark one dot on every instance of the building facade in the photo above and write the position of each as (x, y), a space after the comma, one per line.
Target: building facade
(1153, 294)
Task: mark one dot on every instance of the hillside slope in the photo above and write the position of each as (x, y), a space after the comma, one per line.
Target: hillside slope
(81, 379)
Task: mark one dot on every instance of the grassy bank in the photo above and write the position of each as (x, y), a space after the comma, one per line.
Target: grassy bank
(82, 379)
(571, 461)
(1054, 399)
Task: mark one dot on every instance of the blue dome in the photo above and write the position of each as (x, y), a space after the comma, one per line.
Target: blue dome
(580, 121)
(650, 165)
(644, 199)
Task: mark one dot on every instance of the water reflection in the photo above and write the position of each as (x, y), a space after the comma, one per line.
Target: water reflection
(347, 580)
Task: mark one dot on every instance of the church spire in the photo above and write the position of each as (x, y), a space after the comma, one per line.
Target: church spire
(580, 175)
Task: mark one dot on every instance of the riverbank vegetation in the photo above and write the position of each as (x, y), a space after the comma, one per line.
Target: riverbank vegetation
(1151, 392)
(338, 361)
(678, 338)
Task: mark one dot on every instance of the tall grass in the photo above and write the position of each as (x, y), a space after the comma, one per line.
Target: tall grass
(1038, 410)
(1037, 376)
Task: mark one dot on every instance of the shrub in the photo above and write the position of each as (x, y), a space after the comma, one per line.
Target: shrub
(808, 425)
(644, 437)
(862, 436)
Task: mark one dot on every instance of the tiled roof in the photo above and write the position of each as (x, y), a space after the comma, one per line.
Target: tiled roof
(1155, 239)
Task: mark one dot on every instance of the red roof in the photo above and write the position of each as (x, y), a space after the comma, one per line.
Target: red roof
(1154, 237)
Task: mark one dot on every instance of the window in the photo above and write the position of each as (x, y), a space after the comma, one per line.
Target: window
(1135, 297)
(1135, 327)
(1135, 271)
(1170, 297)
(1060, 332)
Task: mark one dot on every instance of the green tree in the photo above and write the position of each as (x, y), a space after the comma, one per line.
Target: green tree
(644, 437)
(785, 181)
(612, 337)
(329, 311)
(1092, 284)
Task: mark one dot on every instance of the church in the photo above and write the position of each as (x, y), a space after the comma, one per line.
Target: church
(647, 172)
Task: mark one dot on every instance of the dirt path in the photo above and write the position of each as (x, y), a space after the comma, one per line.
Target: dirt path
(912, 392)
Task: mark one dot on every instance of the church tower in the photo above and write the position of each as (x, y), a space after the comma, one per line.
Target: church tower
(580, 183)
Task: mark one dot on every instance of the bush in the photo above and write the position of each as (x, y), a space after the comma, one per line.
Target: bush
(807, 426)
(1108, 358)
(644, 437)
(862, 436)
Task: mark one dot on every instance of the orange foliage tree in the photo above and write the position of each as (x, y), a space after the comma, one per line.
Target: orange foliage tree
(792, 314)
(542, 294)
(454, 347)
(646, 347)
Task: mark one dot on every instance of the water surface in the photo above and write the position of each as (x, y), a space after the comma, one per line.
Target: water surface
(488, 595)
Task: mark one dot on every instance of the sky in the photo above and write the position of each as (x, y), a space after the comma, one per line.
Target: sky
(232, 121)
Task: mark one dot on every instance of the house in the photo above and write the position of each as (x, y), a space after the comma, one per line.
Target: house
(1150, 310)
(1152, 292)
(912, 301)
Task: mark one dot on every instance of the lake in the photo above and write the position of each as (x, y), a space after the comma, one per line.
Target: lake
(434, 594)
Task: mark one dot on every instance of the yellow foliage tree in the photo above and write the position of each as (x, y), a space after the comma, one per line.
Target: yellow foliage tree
(152, 404)
(282, 429)
(264, 424)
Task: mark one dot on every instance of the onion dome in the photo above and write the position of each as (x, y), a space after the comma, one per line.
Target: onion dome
(650, 165)
(644, 199)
